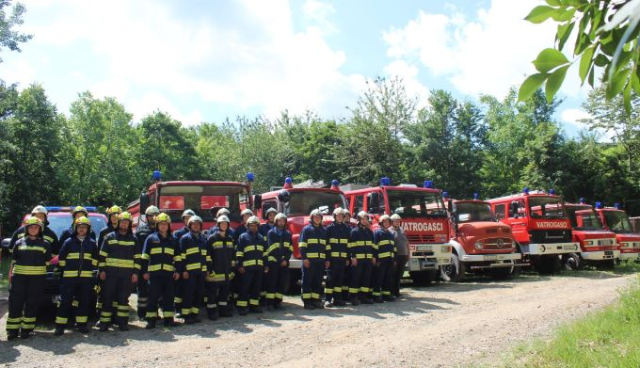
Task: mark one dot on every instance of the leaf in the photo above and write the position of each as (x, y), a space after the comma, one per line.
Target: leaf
(592, 76)
(564, 15)
(618, 60)
(540, 13)
(531, 85)
(586, 62)
(563, 33)
(549, 59)
(553, 2)
(627, 99)
(554, 82)
(601, 60)
(622, 14)
(617, 83)
(635, 81)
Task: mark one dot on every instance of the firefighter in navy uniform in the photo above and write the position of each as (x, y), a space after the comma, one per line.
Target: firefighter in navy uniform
(142, 232)
(250, 259)
(31, 255)
(313, 249)
(78, 259)
(361, 252)
(161, 261)
(347, 271)
(279, 251)
(385, 253)
(49, 235)
(222, 212)
(186, 215)
(193, 248)
(269, 217)
(112, 215)
(222, 254)
(77, 212)
(119, 262)
(337, 253)
(241, 229)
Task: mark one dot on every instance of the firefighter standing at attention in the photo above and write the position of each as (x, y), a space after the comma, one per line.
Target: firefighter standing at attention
(250, 259)
(186, 215)
(385, 252)
(222, 254)
(313, 248)
(142, 232)
(47, 234)
(361, 253)
(337, 253)
(279, 251)
(193, 247)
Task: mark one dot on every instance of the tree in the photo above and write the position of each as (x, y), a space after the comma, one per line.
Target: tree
(607, 37)
(9, 37)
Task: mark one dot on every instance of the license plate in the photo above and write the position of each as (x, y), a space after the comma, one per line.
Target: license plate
(569, 247)
(423, 248)
(491, 258)
(608, 252)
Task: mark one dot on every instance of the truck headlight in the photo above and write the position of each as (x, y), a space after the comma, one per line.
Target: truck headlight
(478, 245)
(445, 249)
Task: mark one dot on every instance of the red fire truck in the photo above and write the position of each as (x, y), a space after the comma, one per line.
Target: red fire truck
(480, 243)
(616, 220)
(297, 203)
(424, 219)
(205, 198)
(539, 224)
(598, 247)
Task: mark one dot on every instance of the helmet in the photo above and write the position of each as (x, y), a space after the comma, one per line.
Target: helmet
(223, 211)
(395, 217)
(39, 209)
(114, 210)
(253, 220)
(194, 219)
(384, 217)
(79, 209)
(346, 212)
(338, 211)
(81, 221)
(281, 216)
(246, 212)
(163, 217)
(125, 216)
(152, 210)
(315, 212)
(32, 220)
(270, 210)
(362, 214)
(222, 218)
(188, 213)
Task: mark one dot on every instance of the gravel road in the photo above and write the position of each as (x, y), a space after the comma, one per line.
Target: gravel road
(443, 325)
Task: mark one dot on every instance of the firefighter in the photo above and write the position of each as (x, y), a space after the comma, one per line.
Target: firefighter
(242, 228)
(402, 255)
(193, 247)
(142, 232)
(250, 258)
(119, 262)
(337, 254)
(77, 212)
(221, 250)
(347, 272)
(29, 261)
(385, 252)
(361, 253)
(161, 260)
(221, 212)
(269, 218)
(186, 215)
(49, 235)
(112, 215)
(279, 251)
(78, 259)
(313, 248)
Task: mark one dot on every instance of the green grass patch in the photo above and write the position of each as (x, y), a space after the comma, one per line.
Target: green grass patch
(4, 270)
(607, 338)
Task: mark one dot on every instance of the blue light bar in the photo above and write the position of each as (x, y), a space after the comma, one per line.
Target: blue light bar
(157, 175)
(445, 194)
(525, 190)
(598, 205)
(250, 177)
(428, 184)
(582, 200)
(552, 191)
(69, 208)
(384, 182)
(617, 206)
(288, 180)
(476, 195)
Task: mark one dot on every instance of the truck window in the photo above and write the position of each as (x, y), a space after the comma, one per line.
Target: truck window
(520, 212)
(546, 207)
(358, 203)
(375, 203)
(416, 203)
(268, 204)
(500, 211)
(205, 200)
(302, 203)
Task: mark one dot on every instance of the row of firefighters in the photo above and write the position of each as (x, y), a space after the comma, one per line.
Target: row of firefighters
(181, 272)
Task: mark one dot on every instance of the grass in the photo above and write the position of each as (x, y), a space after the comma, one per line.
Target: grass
(607, 338)
(4, 270)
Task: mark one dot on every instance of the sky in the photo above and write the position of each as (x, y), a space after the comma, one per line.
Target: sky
(204, 60)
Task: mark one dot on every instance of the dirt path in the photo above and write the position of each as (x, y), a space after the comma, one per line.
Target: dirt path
(439, 326)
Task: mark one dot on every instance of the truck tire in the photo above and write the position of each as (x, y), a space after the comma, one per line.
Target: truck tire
(455, 270)
(573, 262)
(423, 278)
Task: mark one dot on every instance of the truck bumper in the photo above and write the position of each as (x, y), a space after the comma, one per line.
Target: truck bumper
(421, 264)
(540, 249)
(629, 256)
(484, 261)
(600, 255)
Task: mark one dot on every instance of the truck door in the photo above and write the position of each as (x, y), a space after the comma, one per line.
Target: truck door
(518, 221)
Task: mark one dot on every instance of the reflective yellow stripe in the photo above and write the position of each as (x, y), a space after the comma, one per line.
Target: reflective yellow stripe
(192, 251)
(104, 254)
(194, 266)
(34, 248)
(252, 262)
(162, 266)
(121, 263)
(302, 245)
(74, 273)
(316, 255)
(339, 254)
(252, 248)
(384, 255)
(62, 263)
(48, 238)
(29, 270)
(384, 242)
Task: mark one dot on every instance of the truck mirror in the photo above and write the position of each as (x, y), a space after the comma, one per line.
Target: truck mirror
(144, 202)
(284, 196)
(514, 209)
(450, 205)
(257, 201)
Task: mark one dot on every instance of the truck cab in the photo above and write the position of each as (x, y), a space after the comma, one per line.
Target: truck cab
(598, 246)
(480, 243)
(424, 220)
(616, 220)
(540, 225)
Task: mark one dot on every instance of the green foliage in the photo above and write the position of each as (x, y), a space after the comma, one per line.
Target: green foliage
(606, 37)
(10, 38)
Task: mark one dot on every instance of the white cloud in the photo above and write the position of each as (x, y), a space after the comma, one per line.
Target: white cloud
(575, 119)
(244, 54)
(487, 55)
(409, 75)
(151, 102)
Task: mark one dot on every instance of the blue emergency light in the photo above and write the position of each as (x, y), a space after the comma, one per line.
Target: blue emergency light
(525, 190)
(288, 180)
(552, 191)
(250, 177)
(617, 206)
(428, 184)
(385, 182)
(157, 175)
(335, 184)
(598, 205)
(476, 195)
(582, 200)
(68, 208)
(445, 194)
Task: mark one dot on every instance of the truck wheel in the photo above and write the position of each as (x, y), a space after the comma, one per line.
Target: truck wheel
(423, 278)
(572, 262)
(455, 270)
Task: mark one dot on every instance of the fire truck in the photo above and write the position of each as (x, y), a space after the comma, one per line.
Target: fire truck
(598, 247)
(539, 224)
(424, 220)
(297, 203)
(616, 220)
(205, 198)
(480, 243)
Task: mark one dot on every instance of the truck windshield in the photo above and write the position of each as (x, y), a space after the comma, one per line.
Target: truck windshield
(416, 203)
(302, 203)
(546, 207)
(583, 218)
(472, 212)
(60, 222)
(204, 200)
(618, 221)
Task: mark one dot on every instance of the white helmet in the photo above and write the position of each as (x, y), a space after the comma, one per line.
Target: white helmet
(253, 220)
(194, 219)
(223, 211)
(395, 217)
(246, 212)
(152, 210)
(363, 214)
(39, 209)
(222, 218)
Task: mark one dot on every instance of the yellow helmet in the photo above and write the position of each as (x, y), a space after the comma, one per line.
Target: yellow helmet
(79, 209)
(163, 217)
(81, 221)
(114, 210)
(32, 220)
(125, 216)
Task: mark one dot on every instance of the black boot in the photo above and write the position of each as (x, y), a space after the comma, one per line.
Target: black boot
(378, 299)
(123, 326)
(104, 327)
(169, 322)
(213, 314)
(256, 309)
(226, 312)
(13, 334)
(151, 323)
(59, 331)
(317, 304)
(243, 311)
(25, 334)
(278, 305)
(189, 320)
(309, 305)
(355, 300)
(388, 298)
(83, 329)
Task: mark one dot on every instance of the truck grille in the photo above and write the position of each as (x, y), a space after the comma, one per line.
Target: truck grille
(421, 238)
(497, 243)
(550, 236)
